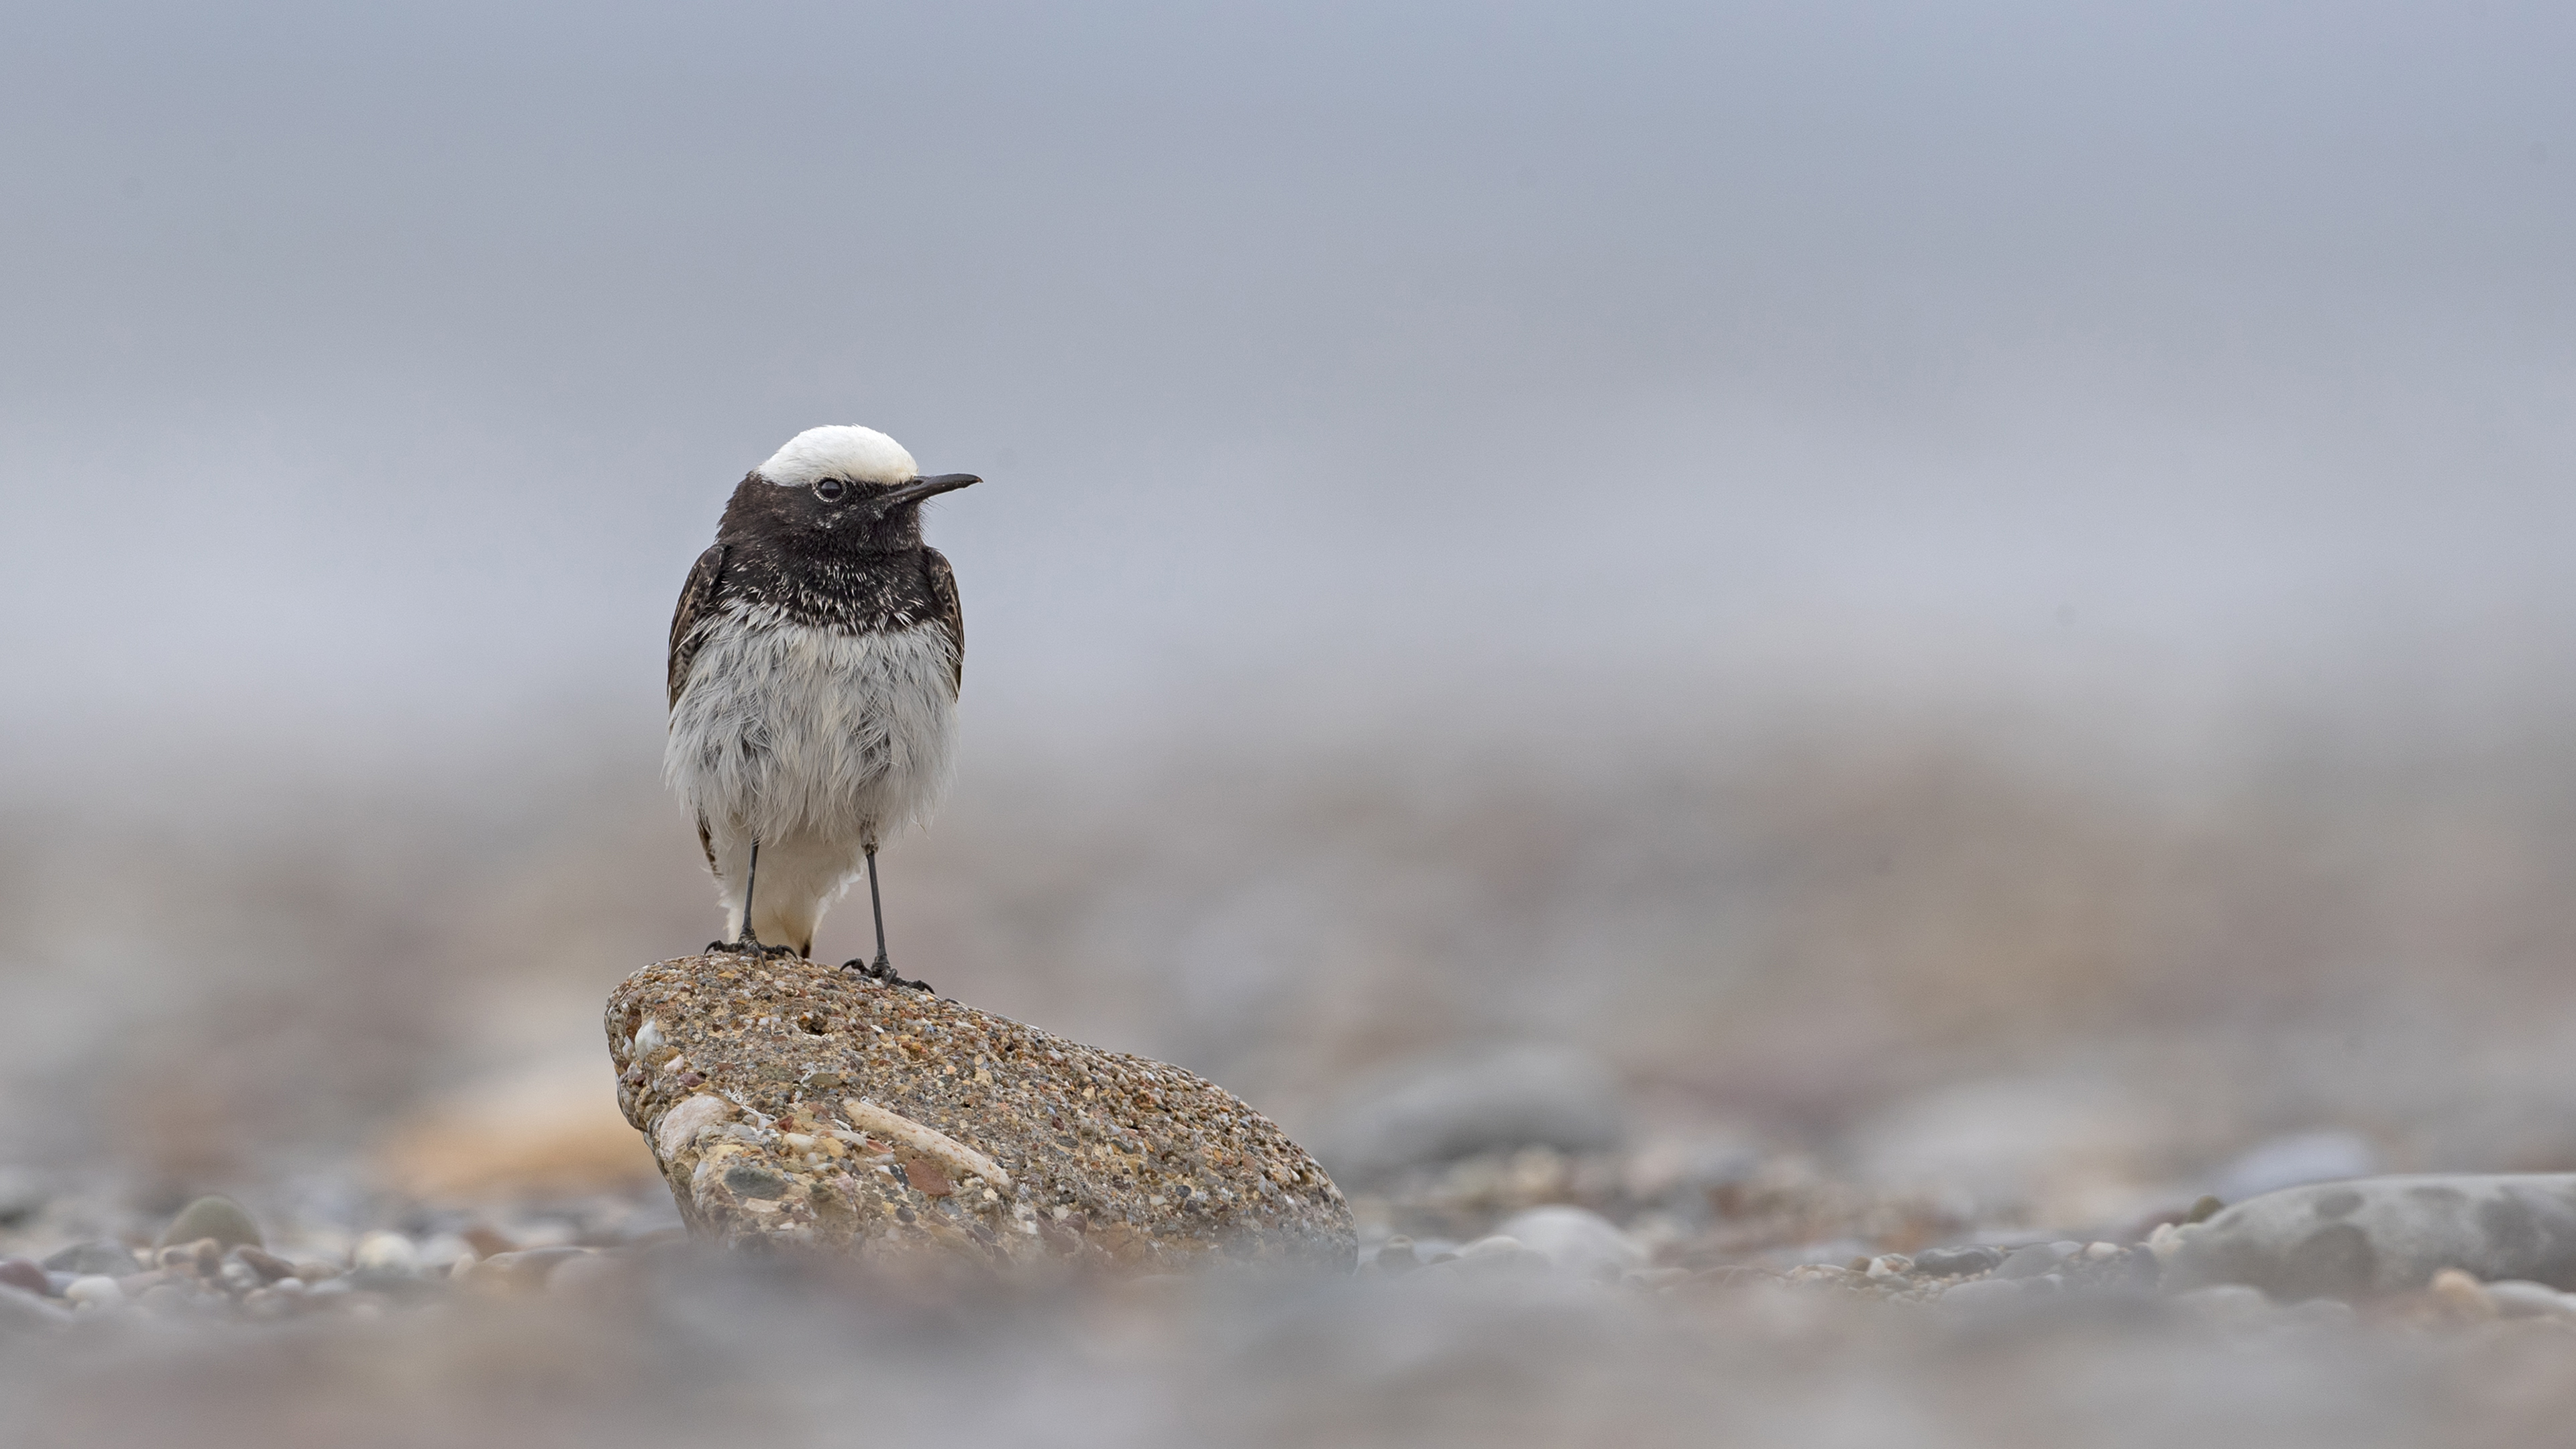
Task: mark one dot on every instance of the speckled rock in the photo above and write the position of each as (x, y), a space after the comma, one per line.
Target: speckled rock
(2378, 1235)
(792, 1102)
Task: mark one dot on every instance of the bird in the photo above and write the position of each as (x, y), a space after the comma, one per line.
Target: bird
(817, 655)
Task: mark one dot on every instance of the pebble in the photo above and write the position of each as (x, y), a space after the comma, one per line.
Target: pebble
(96, 1291)
(26, 1275)
(2036, 1259)
(384, 1257)
(1957, 1262)
(2383, 1235)
(1575, 1240)
(1397, 1256)
(219, 1218)
(521, 1271)
(83, 1260)
(268, 1265)
(1498, 1253)
(2463, 1295)
(2296, 1161)
(1890, 1265)
(2522, 1298)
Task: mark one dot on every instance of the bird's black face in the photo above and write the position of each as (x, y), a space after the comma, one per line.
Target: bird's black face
(871, 517)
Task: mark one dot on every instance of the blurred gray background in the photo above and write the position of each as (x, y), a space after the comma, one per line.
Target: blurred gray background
(1822, 558)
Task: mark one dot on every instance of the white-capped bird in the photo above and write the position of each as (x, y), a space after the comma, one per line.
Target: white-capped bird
(816, 657)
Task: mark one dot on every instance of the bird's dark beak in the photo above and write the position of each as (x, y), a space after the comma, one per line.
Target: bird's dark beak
(921, 488)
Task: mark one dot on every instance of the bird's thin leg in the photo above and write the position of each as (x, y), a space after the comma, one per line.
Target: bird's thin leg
(882, 968)
(748, 941)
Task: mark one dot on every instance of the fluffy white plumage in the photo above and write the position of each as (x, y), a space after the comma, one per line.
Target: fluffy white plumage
(818, 745)
(862, 455)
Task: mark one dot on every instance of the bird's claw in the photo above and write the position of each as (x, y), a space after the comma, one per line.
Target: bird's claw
(749, 945)
(882, 969)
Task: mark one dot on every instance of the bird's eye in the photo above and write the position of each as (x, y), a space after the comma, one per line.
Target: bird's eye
(830, 490)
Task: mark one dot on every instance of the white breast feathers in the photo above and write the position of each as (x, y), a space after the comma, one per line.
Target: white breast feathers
(785, 729)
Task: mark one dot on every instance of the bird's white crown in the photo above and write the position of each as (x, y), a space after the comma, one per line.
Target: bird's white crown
(862, 455)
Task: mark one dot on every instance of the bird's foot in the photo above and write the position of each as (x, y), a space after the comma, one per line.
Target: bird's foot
(882, 969)
(749, 945)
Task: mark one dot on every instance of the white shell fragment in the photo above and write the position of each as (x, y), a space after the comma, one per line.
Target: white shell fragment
(961, 1160)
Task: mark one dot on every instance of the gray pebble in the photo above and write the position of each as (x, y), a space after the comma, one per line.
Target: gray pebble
(219, 1218)
(2032, 1261)
(1957, 1262)
(2379, 1235)
(2522, 1298)
(85, 1260)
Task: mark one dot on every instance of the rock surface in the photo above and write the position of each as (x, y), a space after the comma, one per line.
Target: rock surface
(789, 1102)
(2383, 1235)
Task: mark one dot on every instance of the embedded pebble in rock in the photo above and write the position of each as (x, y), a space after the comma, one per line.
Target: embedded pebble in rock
(1575, 1240)
(219, 1218)
(24, 1274)
(83, 1260)
(2382, 1235)
(794, 1103)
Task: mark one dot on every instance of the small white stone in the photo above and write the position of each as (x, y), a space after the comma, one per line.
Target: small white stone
(2100, 1251)
(2522, 1298)
(389, 1255)
(445, 1251)
(2228, 1303)
(95, 1291)
(1575, 1240)
(1890, 1265)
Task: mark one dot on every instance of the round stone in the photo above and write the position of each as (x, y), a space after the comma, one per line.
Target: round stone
(219, 1218)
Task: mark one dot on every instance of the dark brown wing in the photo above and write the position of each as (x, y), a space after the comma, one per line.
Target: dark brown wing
(697, 605)
(952, 616)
